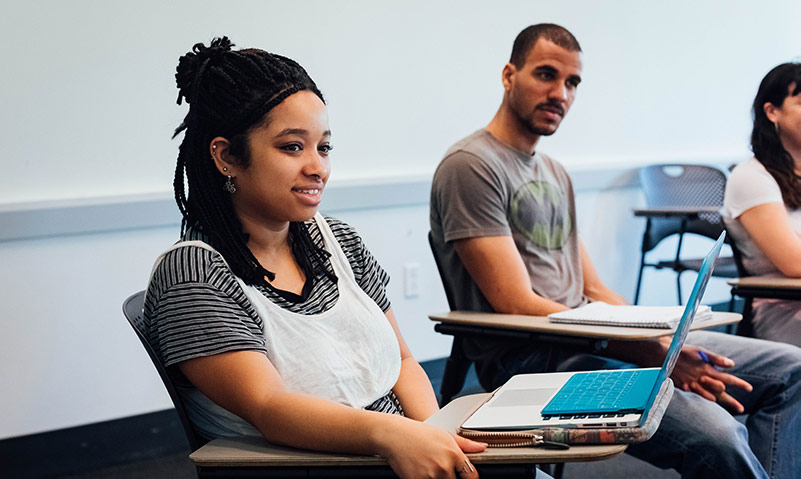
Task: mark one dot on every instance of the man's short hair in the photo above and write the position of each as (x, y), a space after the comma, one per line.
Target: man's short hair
(526, 40)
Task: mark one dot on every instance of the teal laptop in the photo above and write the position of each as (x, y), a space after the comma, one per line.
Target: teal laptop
(614, 398)
(630, 390)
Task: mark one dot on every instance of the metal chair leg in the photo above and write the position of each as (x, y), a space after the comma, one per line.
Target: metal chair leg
(639, 279)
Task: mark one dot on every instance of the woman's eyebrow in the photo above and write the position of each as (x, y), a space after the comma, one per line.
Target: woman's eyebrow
(292, 131)
(298, 131)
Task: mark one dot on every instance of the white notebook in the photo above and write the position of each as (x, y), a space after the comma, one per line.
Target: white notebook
(604, 314)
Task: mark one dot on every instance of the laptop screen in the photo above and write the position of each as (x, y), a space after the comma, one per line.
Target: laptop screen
(686, 320)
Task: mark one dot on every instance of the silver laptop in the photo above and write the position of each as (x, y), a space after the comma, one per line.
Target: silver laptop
(520, 403)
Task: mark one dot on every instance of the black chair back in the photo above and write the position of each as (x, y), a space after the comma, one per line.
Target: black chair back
(457, 364)
(745, 327)
(675, 185)
(133, 310)
(449, 294)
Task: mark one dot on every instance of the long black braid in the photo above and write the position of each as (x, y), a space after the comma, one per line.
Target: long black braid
(229, 93)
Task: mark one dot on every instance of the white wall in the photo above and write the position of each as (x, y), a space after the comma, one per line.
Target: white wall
(87, 106)
(88, 99)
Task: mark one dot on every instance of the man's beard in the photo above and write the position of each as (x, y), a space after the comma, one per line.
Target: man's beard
(531, 127)
(529, 124)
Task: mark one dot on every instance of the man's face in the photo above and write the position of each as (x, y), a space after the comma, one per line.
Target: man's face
(540, 93)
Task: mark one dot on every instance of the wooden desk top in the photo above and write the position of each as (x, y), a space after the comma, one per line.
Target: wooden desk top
(541, 324)
(772, 282)
(256, 452)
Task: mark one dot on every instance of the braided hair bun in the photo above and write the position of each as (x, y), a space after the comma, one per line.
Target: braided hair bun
(192, 65)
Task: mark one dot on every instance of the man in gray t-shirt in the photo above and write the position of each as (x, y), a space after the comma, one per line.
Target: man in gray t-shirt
(503, 226)
(491, 189)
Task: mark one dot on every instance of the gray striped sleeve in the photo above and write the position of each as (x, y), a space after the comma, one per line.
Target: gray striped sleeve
(200, 308)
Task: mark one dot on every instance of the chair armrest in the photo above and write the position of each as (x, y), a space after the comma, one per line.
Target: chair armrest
(688, 212)
(771, 287)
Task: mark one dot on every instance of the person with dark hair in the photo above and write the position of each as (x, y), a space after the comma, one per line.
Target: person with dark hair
(503, 223)
(271, 318)
(762, 203)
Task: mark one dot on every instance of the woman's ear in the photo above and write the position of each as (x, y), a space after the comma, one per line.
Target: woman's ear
(770, 111)
(220, 153)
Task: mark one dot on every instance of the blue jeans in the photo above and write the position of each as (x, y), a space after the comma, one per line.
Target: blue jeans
(697, 437)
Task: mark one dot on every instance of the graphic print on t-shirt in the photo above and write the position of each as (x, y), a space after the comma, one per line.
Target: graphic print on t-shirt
(539, 212)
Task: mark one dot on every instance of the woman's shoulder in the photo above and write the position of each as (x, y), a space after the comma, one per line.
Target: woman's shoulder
(749, 185)
(339, 227)
(749, 166)
(188, 262)
(751, 175)
(345, 234)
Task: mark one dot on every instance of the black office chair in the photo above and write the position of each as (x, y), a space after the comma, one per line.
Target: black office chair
(457, 364)
(132, 308)
(682, 186)
(745, 326)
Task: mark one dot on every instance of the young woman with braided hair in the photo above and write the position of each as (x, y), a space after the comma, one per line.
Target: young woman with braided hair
(762, 203)
(274, 319)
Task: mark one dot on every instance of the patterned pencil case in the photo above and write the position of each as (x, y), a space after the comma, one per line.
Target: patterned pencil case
(561, 437)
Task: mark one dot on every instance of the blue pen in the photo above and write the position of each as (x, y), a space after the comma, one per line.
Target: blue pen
(705, 358)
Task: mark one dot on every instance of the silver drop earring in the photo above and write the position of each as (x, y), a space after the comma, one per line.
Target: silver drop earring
(229, 185)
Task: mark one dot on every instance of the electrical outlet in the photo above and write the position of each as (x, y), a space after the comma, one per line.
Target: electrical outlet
(411, 280)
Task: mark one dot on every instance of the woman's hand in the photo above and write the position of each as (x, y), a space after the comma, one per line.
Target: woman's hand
(418, 450)
(694, 374)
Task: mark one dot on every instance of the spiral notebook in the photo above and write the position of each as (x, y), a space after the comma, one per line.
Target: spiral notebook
(603, 314)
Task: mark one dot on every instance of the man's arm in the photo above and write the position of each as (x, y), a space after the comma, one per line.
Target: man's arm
(497, 268)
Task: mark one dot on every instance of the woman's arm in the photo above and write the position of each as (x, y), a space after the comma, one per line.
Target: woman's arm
(247, 384)
(769, 226)
(413, 387)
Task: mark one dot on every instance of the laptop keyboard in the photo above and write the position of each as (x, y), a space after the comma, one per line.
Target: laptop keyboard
(593, 392)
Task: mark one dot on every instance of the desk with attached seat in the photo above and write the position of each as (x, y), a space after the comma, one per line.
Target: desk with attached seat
(522, 328)
(254, 457)
(770, 287)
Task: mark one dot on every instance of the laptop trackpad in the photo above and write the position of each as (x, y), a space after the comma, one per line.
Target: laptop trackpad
(523, 397)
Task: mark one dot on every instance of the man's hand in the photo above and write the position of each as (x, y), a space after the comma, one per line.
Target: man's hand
(693, 374)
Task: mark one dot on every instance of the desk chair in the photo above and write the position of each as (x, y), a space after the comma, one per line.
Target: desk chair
(457, 364)
(681, 199)
(132, 308)
(749, 287)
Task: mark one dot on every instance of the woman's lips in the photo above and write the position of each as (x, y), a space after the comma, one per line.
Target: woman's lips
(309, 195)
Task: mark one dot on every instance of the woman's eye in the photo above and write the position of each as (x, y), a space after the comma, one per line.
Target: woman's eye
(326, 148)
(292, 147)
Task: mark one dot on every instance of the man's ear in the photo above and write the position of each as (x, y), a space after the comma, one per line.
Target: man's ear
(506, 76)
(219, 148)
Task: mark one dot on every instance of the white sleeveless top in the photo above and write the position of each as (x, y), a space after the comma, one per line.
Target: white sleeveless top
(348, 354)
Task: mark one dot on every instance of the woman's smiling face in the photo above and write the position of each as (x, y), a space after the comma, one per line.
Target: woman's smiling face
(289, 164)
